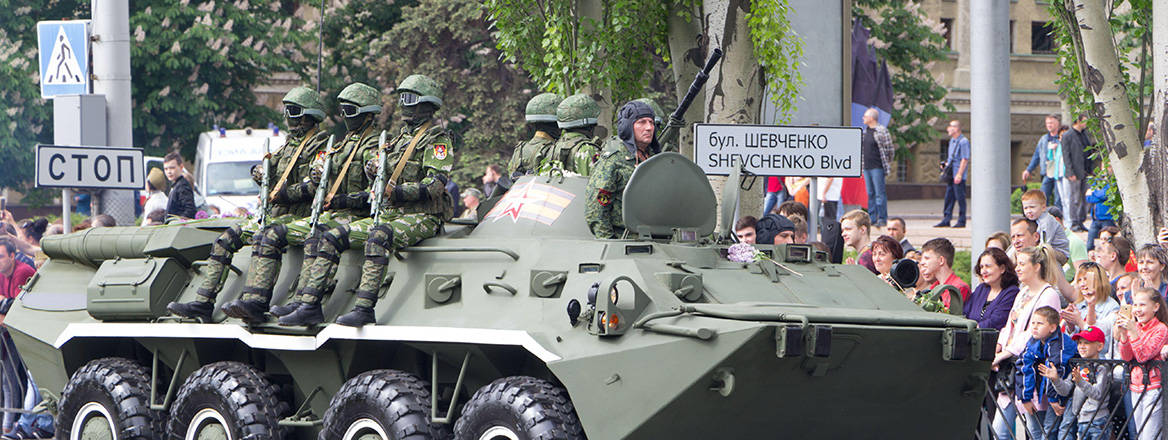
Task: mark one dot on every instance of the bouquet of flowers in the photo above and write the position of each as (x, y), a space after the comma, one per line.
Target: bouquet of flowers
(744, 253)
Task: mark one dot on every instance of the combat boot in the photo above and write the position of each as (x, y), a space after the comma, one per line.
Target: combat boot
(261, 276)
(358, 317)
(250, 311)
(311, 250)
(200, 310)
(309, 313)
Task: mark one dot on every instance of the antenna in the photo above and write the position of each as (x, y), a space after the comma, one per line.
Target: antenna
(320, 47)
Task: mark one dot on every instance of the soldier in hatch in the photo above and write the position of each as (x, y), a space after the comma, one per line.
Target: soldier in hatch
(606, 185)
(541, 117)
(576, 150)
(414, 206)
(359, 104)
(290, 197)
(666, 134)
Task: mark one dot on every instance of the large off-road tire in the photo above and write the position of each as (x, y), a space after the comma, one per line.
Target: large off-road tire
(227, 400)
(519, 408)
(108, 399)
(382, 405)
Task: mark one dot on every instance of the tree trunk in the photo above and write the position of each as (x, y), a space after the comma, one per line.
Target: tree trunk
(688, 52)
(594, 9)
(1114, 112)
(1157, 162)
(735, 87)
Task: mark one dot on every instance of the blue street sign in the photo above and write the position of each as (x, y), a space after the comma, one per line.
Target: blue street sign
(64, 57)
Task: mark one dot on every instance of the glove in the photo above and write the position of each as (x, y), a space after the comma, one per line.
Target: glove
(371, 169)
(257, 173)
(315, 173)
(390, 196)
(350, 201)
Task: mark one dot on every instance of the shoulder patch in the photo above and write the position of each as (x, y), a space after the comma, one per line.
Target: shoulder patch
(440, 150)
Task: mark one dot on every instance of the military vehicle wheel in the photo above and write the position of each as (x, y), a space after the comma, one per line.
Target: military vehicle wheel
(226, 401)
(519, 408)
(108, 399)
(382, 405)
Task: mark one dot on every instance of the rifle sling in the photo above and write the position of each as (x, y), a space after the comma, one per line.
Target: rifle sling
(295, 156)
(345, 169)
(401, 163)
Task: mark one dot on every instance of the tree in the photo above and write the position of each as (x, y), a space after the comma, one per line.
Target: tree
(911, 43)
(1114, 102)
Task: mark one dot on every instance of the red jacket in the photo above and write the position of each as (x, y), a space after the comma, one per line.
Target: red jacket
(10, 285)
(1153, 335)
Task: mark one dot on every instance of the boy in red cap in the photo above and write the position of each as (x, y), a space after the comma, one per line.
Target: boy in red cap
(1091, 384)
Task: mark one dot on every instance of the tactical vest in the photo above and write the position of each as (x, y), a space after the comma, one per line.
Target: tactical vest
(434, 148)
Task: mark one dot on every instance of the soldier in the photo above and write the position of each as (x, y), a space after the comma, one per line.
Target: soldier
(290, 196)
(576, 150)
(415, 205)
(359, 104)
(621, 155)
(541, 117)
(666, 134)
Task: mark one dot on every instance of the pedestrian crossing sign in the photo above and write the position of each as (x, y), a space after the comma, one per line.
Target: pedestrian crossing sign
(64, 57)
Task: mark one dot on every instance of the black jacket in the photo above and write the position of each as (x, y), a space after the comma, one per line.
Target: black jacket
(182, 199)
(1074, 143)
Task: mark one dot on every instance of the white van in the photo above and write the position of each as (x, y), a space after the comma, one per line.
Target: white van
(223, 164)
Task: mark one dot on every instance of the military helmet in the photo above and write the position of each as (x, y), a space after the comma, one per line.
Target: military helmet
(578, 110)
(362, 99)
(419, 88)
(542, 107)
(658, 114)
(308, 102)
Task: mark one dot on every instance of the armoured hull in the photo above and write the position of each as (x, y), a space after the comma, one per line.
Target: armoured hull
(650, 337)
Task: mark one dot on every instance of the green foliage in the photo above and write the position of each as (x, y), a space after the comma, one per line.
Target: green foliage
(910, 43)
(567, 50)
(1131, 22)
(450, 41)
(1016, 196)
(962, 265)
(778, 49)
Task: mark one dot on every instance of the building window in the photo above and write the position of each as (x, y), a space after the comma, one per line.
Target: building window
(902, 170)
(947, 32)
(1011, 36)
(1041, 37)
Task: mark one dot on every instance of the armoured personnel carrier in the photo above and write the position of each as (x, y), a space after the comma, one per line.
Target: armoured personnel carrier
(520, 327)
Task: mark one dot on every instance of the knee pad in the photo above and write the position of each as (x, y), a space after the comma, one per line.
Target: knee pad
(379, 243)
(338, 238)
(273, 242)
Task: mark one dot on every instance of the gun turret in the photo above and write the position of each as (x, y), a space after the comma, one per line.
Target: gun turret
(668, 135)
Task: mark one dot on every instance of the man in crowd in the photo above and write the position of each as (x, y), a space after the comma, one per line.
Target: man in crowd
(937, 264)
(1043, 152)
(540, 114)
(745, 230)
(1023, 234)
(606, 185)
(470, 199)
(491, 177)
(856, 228)
(181, 200)
(897, 230)
(958, 162)
(13, 273)
(1112, 255)
(1050, 230)
(877, 148)
(1073, 185)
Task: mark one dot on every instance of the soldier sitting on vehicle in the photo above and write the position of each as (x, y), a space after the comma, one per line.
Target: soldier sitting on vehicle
(290, 195)
(576, 151)
(541, 117)
(415, 203)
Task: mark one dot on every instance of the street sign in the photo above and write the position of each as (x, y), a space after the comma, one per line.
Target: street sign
(778, 150)
(64, 57)
(60, 166)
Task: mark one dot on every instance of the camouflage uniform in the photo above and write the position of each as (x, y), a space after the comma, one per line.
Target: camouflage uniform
(540, 115)
(346, 176)
(303, 142)
(414, 208)
(576, 150)
(603, 209)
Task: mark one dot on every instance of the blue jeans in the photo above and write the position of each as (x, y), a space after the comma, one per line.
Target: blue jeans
(877, 198)
(954, 192)
(1050, 188)
(1042, 424)
(1093, 231)
(772, 200)
(1003, 426)
(1092, 430)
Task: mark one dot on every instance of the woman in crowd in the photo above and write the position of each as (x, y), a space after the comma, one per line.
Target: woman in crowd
(991, 301)
(998, 240)
(1153, 263)
(1098, 307)
(1140, 339)
(1036, 270)
(885, 251)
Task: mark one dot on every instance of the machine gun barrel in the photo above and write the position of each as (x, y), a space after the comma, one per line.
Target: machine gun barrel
(322, 187)
(265, 185)
(696, 86)
(379, 182)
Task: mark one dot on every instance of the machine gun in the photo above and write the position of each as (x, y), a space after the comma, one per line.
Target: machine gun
(675, 120)
(265, 184)
(321, 188)
(379, 182)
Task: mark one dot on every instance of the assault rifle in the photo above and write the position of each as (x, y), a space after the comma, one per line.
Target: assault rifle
(321, 188)
(265, 184)
(379, 182)
(675, 120)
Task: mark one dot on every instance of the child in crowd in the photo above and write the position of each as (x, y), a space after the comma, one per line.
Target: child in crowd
(1053, 349)
(1050, 231)
(1140, 339)
(1091, 386)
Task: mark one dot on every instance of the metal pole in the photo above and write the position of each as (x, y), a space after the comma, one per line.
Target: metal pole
(813, 210)
(66, 218)
(990, 119)
(111, 70)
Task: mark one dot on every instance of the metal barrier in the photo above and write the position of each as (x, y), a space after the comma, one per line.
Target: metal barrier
(1119, 422)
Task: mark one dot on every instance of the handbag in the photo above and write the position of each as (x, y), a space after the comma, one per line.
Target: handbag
(947, 173)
